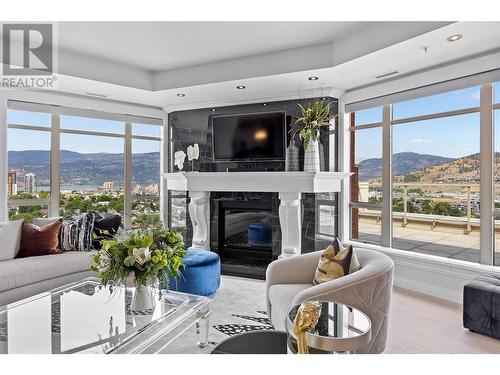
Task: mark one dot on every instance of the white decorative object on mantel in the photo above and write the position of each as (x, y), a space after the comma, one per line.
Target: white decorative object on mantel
(289, 185)
(179, 158)
(311, 157)
(193, 153)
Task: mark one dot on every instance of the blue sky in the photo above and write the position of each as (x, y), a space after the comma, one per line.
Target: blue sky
(33, 140)
(451, 137)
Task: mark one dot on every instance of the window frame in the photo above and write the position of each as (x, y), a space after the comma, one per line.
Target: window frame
(488, 214)
(56, 131)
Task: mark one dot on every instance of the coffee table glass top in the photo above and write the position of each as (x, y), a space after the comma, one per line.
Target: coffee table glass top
(85, 317)
(340, 327)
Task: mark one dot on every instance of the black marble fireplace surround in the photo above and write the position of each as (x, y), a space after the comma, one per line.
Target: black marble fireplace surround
(195, 126)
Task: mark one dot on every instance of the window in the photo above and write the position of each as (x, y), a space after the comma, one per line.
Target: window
(87, 151)
(435, 164)
(27, 118)
(435, 195)
(449, 101)
(91, 174)
(28, 178)
(366, 181)
(92, 124)
(145, 183)
(368, 116)
(496, 92)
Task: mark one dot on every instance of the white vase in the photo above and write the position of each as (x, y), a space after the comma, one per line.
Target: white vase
(143, 299)
(144, 296)
(311, 157)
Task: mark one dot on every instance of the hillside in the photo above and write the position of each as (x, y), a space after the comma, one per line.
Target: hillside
(402, 163)
(462, 170)
(87, 169)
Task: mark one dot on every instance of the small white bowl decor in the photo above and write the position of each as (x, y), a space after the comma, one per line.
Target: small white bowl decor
(145, 259)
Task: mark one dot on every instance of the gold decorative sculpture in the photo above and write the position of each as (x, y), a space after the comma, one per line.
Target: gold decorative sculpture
(305, 320)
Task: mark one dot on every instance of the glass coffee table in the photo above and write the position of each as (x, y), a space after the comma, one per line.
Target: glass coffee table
(340, 329)
(85, 317)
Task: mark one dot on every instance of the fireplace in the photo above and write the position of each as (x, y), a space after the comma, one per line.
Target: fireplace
(245, 234)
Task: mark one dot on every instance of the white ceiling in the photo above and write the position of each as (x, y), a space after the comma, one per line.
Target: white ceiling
(273, 59)
(407, 56)
(155, 46)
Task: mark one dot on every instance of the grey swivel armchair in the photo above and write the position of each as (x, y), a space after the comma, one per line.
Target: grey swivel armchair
(289, 282)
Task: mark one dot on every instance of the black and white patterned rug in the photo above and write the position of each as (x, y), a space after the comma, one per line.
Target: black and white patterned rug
(235, 328)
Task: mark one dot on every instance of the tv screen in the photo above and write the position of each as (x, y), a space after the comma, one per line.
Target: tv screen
(249, 137)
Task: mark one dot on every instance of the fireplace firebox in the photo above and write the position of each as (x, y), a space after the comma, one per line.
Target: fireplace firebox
(245, 236)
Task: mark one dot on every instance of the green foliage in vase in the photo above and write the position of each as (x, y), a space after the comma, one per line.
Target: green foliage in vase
(312, 119)
(149, 256)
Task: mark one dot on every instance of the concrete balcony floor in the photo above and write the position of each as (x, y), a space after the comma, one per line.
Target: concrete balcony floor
(446, 242)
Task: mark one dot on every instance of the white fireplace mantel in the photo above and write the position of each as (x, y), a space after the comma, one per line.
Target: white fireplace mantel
(289, 185)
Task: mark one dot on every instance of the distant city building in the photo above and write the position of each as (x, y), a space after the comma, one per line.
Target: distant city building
(108, 186)
(12, 183)
(137, 189)
(20, 183)
(152, 189)
(30, 183)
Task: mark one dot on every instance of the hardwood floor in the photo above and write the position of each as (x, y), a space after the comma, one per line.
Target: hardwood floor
(427, 325)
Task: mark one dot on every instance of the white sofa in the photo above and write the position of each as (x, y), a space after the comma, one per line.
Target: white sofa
(25, 277)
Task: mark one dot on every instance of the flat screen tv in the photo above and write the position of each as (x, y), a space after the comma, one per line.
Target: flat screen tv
(249, 137)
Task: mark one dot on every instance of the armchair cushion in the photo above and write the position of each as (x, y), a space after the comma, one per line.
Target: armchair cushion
(282, 296)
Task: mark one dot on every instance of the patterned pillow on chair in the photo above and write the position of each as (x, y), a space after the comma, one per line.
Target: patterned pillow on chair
(333, 265)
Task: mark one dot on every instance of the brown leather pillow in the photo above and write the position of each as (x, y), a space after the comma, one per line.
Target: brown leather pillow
(39, 241)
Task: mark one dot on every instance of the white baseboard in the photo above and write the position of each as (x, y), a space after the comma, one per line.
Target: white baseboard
(436, 276)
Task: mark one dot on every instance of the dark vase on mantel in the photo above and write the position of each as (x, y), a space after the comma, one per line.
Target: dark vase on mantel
(292, 158)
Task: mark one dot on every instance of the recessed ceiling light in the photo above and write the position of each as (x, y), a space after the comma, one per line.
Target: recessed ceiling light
(181, 95)
(313, 78)
(264, 104)
(240, 87)
(213, 110)
(454, 38)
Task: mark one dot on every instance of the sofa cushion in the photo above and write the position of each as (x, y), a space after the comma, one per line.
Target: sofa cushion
(37, 241)
(281, 297)
(10, 239)
(24, 271)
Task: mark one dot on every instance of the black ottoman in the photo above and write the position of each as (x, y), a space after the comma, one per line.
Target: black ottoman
(482, 305)
(255, 342)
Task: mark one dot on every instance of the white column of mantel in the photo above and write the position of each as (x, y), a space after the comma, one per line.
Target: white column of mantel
(291, 224)
(199, 212)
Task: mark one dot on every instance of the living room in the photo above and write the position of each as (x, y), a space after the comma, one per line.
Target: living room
(283, 186)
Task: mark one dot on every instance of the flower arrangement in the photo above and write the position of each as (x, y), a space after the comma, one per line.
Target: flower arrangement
(148, 256)
(311, 120)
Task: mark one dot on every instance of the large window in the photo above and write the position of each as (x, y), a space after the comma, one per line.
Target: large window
(85, 155)
(366, 181)
(145, 183)
(435, 163)
(435, 196)
(28, 179)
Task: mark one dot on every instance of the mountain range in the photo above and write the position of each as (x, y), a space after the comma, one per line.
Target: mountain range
(402, 164)
(87, 169)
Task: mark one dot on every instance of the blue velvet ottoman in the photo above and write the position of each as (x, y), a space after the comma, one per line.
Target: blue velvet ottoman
(201, 275)
(482, 305)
